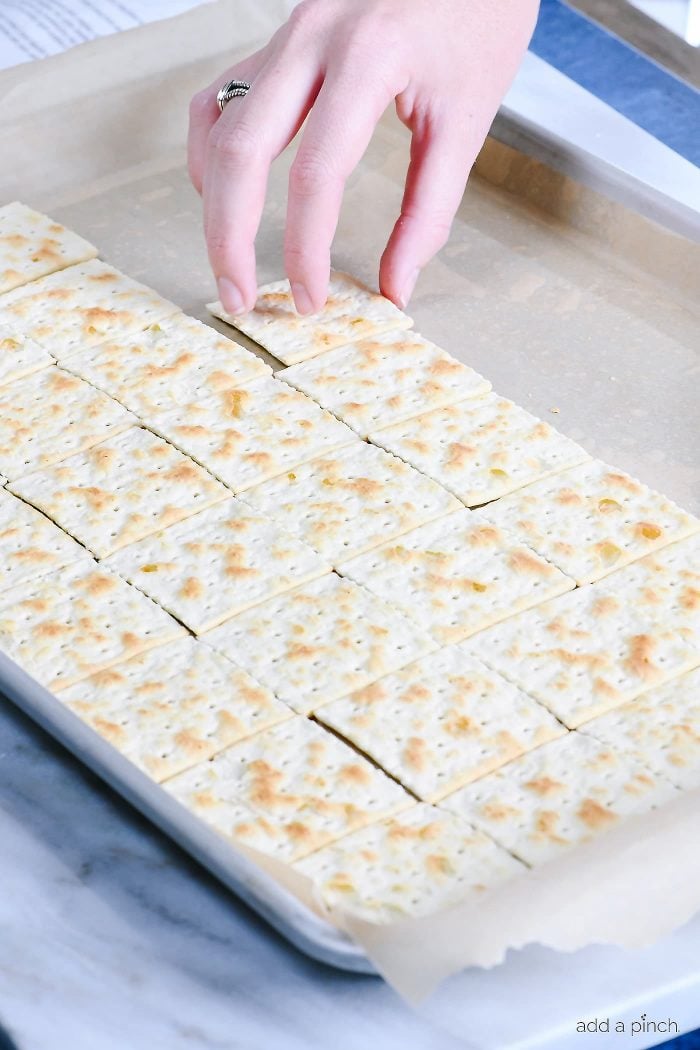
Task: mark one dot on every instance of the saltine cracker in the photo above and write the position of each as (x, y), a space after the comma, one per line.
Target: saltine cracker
(217, 564)
(351, 312)
(170, 707)
(604, 644)
(441, 722)
(457, 575)
(248, 435)
(482, 448)
(30, 545)
(82, 306)
(174, 362)
(320, 641)
(121, 490)
(591, 520)
(558, 796)
(301, 779)
(33, 245)
(387, 379)
(661, 728)
(82, 619)
(351, 500)
(412, 864)
(49, 416)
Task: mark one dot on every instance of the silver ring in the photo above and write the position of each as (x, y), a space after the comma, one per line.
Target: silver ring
(234, 89)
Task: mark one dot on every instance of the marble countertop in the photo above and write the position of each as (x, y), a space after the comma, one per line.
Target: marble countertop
(110, 938)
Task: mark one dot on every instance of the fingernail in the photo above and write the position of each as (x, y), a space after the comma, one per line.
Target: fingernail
(231, 298)
(407, 290)
(302, 299)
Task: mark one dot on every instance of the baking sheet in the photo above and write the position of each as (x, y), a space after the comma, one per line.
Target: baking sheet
(564, 300)
(259, 888)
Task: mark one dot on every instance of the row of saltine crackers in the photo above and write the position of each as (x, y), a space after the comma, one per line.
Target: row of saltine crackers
(127, 355)
(447, 719)
(167, 707)
(365, 662)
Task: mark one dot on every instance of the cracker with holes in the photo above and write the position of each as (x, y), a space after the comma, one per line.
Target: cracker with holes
(173, 362)
(457, 575)
(320, 641)
(75, 622)
(441, 722)
(19, 356)
(30, 544)
(603, 645)
(247, 435)
(302, 780)
(661, 728)
(352, 500)
(412, 864)
(171, 707)
(217, 563)
(592, 520)
(121, 490)
(352, 312)
(33, 245)
(559, 796)
(47, 417)
(385, 379)
(82, 306)
(481, 449)
(234, 820)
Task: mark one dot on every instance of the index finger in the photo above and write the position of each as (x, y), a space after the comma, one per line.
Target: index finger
(338, 132)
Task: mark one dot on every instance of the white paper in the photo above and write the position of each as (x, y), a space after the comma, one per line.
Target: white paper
(31, 29)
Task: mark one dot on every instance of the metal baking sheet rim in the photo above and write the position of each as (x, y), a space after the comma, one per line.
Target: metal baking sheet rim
(298, 924)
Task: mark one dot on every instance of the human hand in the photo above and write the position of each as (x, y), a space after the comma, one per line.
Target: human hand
(446, 63)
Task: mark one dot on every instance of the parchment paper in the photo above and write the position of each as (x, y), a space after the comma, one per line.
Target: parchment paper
(564, 300)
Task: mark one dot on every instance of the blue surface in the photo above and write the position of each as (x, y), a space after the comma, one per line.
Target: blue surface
(5, 1041)
(619, 75)
(684, 1042)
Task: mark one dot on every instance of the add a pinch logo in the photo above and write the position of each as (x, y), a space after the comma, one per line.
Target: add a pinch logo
(643, 1025)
